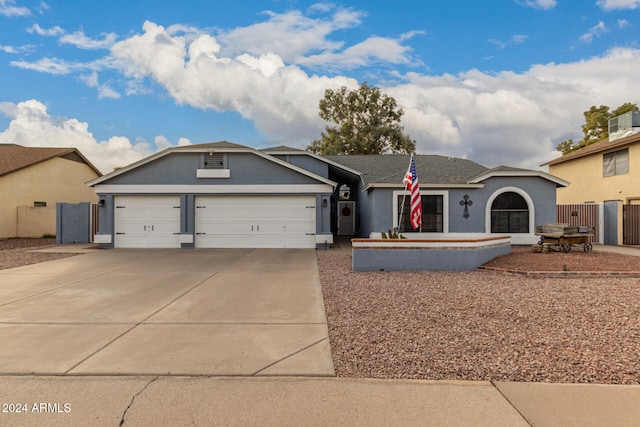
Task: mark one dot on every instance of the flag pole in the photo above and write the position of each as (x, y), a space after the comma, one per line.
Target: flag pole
(406, 181)
(404, 196)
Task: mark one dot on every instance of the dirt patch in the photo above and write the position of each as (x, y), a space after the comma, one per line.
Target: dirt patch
(524, 259)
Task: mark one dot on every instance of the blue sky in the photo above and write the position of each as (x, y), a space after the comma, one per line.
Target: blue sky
(497, 82)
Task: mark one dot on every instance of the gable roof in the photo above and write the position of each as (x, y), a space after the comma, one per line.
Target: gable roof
(391, 168)
(598, 147)
(512, 172)
(14, 157)
(219, 147)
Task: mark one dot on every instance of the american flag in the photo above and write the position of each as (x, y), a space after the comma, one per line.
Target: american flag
(411, 181)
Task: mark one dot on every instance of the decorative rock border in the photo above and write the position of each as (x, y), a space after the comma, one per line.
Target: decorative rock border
(563, 274)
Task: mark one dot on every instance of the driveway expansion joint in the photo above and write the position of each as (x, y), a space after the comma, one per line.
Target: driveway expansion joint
(493, 384)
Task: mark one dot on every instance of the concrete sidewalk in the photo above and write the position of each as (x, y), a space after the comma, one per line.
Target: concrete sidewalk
(211, 401)
(622, 250)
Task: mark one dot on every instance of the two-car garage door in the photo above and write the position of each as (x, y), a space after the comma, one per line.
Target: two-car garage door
(220, 222)
(255, 222)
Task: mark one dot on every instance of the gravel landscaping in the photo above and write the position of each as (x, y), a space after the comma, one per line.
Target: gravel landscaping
(17, 252)
(483, 325)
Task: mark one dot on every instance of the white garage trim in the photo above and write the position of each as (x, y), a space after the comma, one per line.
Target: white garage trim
(214, 189)
(255, 222)
(147, 221)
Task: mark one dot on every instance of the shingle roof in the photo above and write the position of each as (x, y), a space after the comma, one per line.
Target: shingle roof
(281, 148)
(14, 157)
(220, 145)
(391, 168)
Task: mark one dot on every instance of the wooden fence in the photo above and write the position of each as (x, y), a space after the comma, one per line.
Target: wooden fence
(581, 214)
(631, 224)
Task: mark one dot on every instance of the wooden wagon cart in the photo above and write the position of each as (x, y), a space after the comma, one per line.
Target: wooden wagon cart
(562, 237)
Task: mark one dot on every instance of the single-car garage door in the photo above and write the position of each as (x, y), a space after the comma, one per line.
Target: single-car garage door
(256, 222)
(147, 222)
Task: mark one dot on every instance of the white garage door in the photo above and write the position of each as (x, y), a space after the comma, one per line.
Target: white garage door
(256, 222)
(147, 222)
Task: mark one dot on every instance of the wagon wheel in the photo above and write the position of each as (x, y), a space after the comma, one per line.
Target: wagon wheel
(588, 247)
(566, 247)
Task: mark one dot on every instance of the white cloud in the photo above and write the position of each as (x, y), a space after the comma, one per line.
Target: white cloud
(51, 32)
(371, 51)
(594, 31)
(510, 118)
(282, 100)
(105, 91)
(80, 40)
(90, 80)
(8, 49)
(7, 8)
(51, 66)
(623, 23)
(32, 126)
(289, 35)
(618, 4)
(539, 4)
(513, 40)
(493, 118)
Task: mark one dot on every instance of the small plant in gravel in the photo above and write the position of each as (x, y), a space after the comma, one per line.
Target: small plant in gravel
(390, 234)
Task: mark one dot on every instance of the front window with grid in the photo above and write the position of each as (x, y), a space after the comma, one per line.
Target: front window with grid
(432, 214)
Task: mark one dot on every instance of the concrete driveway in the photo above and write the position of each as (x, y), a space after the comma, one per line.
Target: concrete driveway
(166, 312)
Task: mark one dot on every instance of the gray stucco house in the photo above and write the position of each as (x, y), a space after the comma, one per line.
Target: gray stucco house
(221, 195)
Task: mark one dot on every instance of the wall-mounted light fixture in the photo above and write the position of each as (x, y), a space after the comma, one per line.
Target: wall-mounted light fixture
(325, 203)
(101, 203)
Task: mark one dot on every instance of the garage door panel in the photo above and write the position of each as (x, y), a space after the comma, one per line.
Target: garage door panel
(269, 221)
(147, 222)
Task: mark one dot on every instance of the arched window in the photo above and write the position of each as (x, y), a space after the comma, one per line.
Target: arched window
(509, 214)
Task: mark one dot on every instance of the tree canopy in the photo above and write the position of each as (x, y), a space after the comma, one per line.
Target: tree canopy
(595, 127)
(365, 121)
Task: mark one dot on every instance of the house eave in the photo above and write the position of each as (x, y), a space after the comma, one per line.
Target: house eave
(596, 148)
(539, 174)
(209, 149)
(422, 185)
(317, 157)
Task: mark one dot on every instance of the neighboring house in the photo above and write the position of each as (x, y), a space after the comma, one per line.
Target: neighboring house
(33, 180)
(606, 170)
(227, 195)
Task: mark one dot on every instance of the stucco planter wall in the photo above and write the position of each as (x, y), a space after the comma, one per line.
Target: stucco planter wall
(445, 252)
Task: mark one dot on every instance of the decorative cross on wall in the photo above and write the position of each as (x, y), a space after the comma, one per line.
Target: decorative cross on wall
(466, 202)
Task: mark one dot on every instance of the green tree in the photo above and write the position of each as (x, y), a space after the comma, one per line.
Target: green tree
(365, 121)
(595, 127)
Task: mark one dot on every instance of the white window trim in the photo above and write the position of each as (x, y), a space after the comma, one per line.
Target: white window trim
(445, 205)
(526, 237)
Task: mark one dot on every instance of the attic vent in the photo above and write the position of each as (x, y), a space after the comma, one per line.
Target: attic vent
(214, 161)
